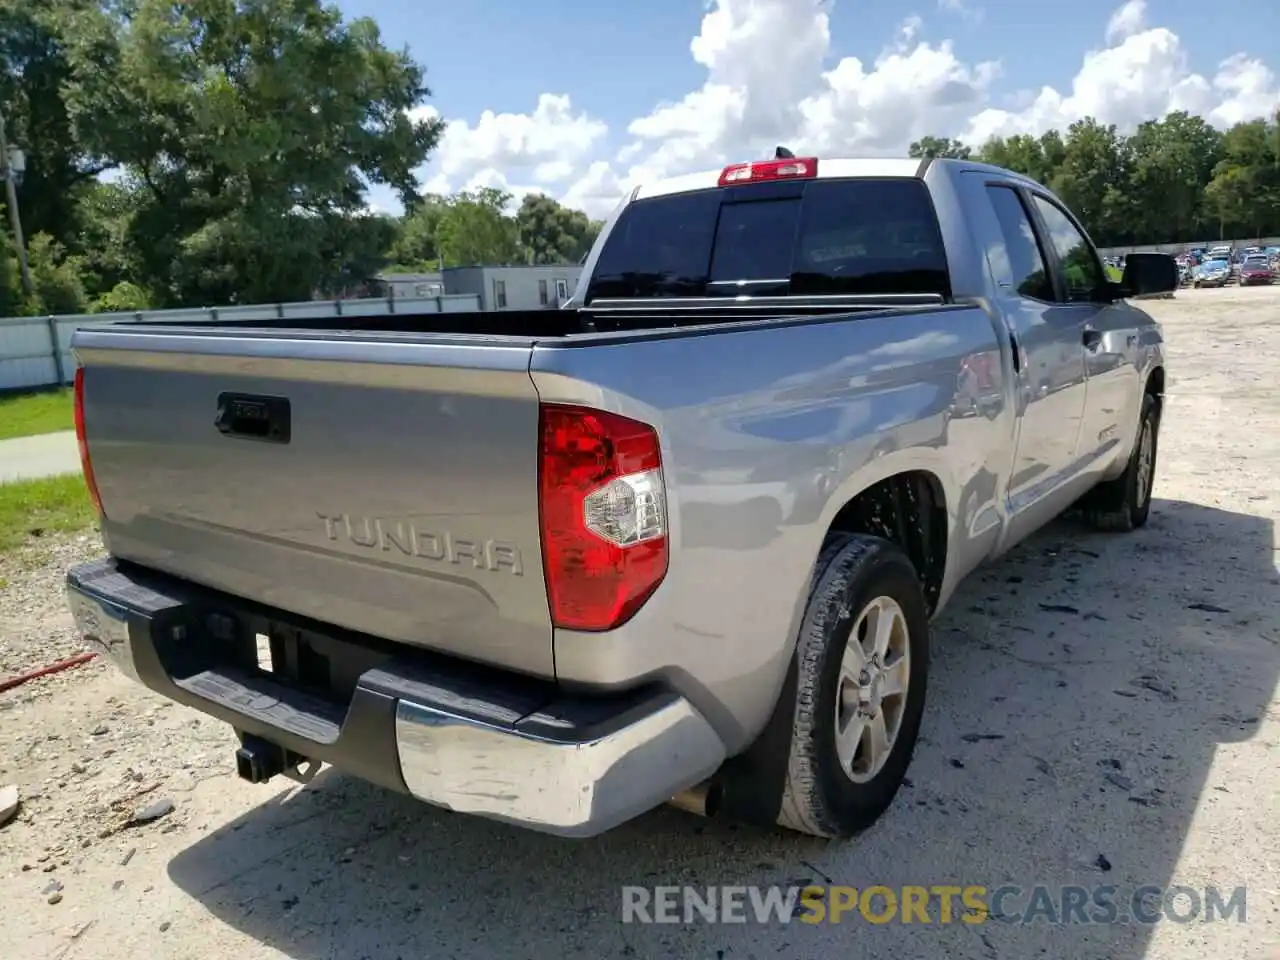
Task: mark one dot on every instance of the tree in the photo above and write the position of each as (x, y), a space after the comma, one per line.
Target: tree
(474, 228)
(239, 118)
(242, 136)
(1173, 160)
(1244, 193)
(416, 244)
(1093, 175)
(551, 233)
(1022, 153)
(105, 215)
(123, 296)
(1175, 179)
(11, 297)
(353, 249)
(55, 277)
(33, 72)
(938, 147)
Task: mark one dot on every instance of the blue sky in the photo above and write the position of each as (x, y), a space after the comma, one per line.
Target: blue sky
(617, 62)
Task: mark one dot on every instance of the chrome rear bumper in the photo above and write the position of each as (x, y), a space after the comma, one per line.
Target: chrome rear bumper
(470, 740)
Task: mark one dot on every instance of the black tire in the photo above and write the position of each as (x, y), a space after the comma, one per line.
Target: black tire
(1124, 504)
(818, 796)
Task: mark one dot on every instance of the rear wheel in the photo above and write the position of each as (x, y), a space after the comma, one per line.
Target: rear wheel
(862, 662)
(1124, 504)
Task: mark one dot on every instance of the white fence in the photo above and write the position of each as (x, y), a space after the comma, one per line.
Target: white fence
(36, 351)
(1176, 248)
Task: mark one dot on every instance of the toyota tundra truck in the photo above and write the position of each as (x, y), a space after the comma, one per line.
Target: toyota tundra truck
(679, 542)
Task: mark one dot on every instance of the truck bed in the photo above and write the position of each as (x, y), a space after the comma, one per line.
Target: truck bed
(603, 316)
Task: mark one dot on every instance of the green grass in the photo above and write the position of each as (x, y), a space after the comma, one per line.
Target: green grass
(30, 509)
(29, 414)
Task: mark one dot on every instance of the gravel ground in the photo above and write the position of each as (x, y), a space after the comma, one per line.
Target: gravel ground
(1103, 711)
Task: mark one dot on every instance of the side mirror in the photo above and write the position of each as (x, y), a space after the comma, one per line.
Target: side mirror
(1149, 275)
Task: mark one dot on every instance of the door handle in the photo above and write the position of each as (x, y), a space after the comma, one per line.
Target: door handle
(1092, 338)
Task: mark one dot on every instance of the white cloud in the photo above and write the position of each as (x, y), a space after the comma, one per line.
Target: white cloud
(909, 29)
(772, 78)
(553, 171)
(553, 133)
(1141, 76)
(961, 9)
(597, 191)
(1127, 20)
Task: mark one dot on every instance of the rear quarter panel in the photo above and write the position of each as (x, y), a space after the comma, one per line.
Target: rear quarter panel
(767, 431)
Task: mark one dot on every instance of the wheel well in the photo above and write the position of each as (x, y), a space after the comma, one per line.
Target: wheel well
(1155, 385)
(910, 510)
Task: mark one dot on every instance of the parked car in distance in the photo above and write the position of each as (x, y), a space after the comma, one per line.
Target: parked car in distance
(1256, 270)
(682, 540)
(1212, 273)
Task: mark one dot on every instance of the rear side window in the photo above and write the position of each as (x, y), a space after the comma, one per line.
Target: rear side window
(814, 237)
(1026, 262)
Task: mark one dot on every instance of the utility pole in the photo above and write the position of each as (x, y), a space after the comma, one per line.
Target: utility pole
(15, 219)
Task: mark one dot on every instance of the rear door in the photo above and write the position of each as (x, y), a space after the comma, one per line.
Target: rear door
(377, 483)
(1108, 331)
(1051, 379)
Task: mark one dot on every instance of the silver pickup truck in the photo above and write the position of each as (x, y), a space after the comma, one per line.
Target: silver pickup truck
(678, 542)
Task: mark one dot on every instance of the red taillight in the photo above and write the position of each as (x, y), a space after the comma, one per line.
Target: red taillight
(85, 464)
(603, 506)
(795, 168)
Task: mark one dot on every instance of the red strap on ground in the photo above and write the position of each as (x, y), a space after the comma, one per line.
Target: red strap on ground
(77, 660)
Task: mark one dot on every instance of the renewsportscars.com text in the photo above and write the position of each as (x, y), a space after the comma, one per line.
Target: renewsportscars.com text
(936, 904)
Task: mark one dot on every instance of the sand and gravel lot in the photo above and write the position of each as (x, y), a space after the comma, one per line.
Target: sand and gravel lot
(1103, 711)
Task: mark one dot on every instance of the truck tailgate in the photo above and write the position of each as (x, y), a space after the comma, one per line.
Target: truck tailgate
(386, 485)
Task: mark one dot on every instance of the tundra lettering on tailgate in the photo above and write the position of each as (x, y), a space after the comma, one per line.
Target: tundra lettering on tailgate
(377, 533)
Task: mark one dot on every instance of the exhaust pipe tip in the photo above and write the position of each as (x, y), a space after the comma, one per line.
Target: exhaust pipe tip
(702, 800)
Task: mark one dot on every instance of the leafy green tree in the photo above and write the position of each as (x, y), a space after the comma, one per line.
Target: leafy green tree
(55, 277)
(1173, 160)
(1244, 194)
(1022, 153)
(12, 302)
(1174, 179)
(123, 296)
(939, 147)
(474, 228)
(552, 233)
(416, 245)
(240, 119)
(353, 249)
(1092, 176)
(242, 137)
(33, 73)
(105, 214)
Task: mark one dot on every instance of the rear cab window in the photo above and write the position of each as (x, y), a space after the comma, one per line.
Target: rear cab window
(798, 238)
